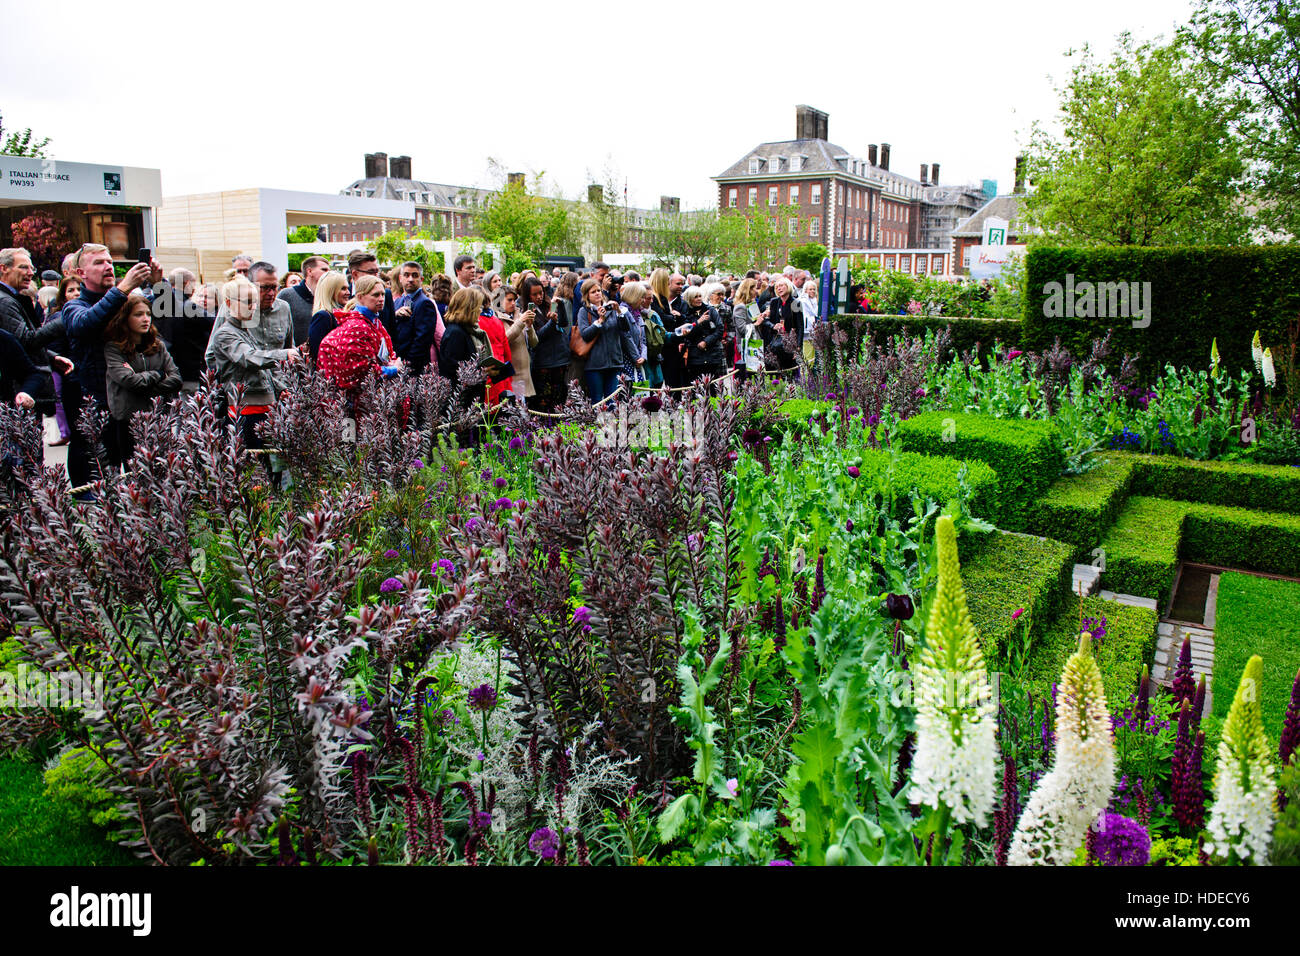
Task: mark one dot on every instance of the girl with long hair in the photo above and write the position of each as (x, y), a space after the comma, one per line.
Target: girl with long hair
(139, 369)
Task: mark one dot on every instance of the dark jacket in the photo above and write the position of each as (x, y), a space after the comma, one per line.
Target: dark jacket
(17, 373)
(614, 342)
(787, 311)
(458, 345)
(20, 318)
(552, 349)
(300, 303)
(413, 339)
(185, 331)
(133, 389)
(322, 324)
(85, 319)
(709, 332)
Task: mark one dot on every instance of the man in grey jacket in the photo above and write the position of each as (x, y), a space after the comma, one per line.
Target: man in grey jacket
(270, 327)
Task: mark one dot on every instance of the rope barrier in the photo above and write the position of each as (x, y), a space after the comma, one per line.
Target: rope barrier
(684, 388)
(612, 395)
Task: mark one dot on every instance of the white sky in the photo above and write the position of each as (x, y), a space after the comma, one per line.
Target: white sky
(291, 95)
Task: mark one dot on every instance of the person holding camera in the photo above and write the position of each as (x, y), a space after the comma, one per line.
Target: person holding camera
(552, 357)
(521, 336)
(602, 323)
(703, 334)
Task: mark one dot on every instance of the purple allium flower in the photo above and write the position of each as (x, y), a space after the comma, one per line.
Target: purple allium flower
(480, 756)
(485, 474)
(751, 436)
(390, 584)
(417, 464)
(516, 444)
(920, 393)
(780, 863)
(483, 697)
(391, 553)
(472, 524)
(444, 567)
(1122, 842)
(582, 615)
(544, 842)
(854, 471)
(502, 503)
(501, 482)
(831, 396)
(481, 820)
(853, 410)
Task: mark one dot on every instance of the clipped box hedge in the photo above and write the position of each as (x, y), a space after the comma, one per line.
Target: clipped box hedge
(1144, 546)
(1129, 643)
(1025, 454)
(1004, 571)
(1078, 509)
(934, 478)
(1232, 483)
(1196, 295)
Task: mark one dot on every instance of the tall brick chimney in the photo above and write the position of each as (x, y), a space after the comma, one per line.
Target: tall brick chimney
(884, 155)
(871, 155)
(670, 204)
(925, 171)
(595, 193)
(376, 165)
(934, 174)
(810, 123)
(513, 178)
(399, 167)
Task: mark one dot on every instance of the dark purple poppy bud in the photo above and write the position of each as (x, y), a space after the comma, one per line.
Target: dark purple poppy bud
(848, 525)
(652, 403)
(899, 607)
(854, 471)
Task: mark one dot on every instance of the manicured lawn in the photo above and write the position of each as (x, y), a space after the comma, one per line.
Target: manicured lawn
(37, 831)
(1257, 616)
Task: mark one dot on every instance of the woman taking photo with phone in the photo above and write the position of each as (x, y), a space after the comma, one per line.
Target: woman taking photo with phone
(704, 354)
(602, 324)
(549, 363)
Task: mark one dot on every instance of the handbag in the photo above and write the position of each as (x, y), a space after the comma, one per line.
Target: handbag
(579, 346)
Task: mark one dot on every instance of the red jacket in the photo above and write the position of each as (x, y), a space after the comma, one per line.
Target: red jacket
(350, 351)
(496, 333)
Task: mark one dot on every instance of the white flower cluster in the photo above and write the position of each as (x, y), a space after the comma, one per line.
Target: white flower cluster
(1079, 785)
(1240, 821)
(956, 751)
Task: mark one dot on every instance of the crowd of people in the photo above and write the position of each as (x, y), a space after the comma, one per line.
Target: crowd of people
(120, 342)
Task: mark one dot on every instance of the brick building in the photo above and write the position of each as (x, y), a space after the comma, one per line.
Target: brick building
(846, 202)
(446, 210)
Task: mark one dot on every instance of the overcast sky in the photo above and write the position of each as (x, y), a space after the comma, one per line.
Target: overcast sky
(291, 95)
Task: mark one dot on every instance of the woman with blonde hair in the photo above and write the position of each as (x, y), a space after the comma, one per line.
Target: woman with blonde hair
(331, 296)
(360, 346)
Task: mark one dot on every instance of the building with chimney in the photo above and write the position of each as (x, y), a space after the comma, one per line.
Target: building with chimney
(845, 201)
(969, 232)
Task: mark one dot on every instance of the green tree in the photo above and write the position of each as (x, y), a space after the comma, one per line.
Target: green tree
(757, 239)
(808, 256)
(688, 240)
(22, 143)
(1253, 46)
(394, 248)
(1149, 157)
(304, 234)
(531, 225)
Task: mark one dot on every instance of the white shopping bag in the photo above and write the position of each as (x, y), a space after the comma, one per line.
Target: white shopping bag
(753, 353)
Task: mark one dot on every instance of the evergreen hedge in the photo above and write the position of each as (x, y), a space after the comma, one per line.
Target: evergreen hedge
(1197, 294)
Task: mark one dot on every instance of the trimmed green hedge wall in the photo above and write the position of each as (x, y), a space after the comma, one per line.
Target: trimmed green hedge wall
(935, 478)
(1196, 295)
(1232, 483)
(1130, 641)
(966, 332)
(1079, 508)
(1025, 455)
(1151, 534)
(1003, 571)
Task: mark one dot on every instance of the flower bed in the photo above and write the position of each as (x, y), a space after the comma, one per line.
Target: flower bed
(1128, 645)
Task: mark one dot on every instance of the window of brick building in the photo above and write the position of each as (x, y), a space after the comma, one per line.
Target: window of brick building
(772, 199)
(815, 227)
(753, 195)
(794, 228)
(754, 165)
(794, 195)
(816, 194)
(731, 198)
